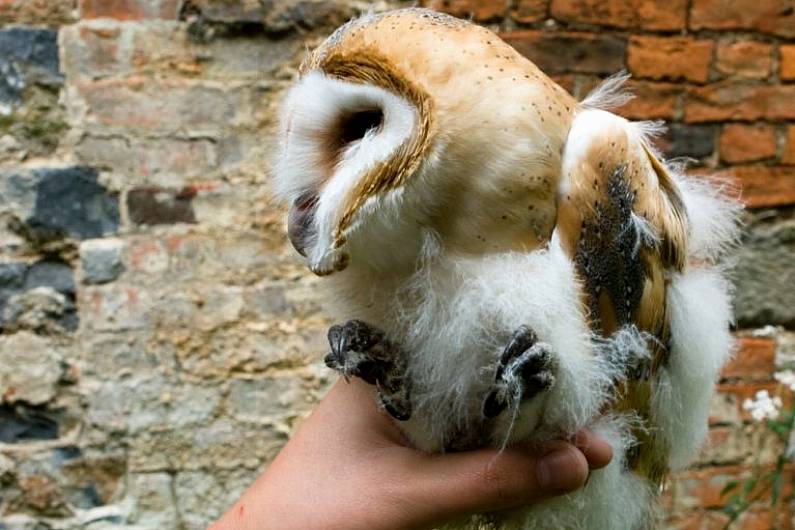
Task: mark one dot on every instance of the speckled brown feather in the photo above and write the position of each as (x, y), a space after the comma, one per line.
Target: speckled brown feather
(612, 175)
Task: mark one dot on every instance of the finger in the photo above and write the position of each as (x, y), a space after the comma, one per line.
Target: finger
(597, 451)
(485, 480)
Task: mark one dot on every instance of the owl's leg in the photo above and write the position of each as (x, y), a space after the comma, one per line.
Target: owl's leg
(360, 350)
(525, 369)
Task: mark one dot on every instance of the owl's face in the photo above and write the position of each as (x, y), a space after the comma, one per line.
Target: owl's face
(413, 121)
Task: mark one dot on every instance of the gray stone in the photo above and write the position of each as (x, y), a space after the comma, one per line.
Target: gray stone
(38, 297)
(27, 56)
(23, 423)
(764, 276)
(54, 274)
(268, 400)
(203, 497)
(30, 368)
(40, 309)
(55, 203)
(101, 260)
(155, 505)
(134, 405)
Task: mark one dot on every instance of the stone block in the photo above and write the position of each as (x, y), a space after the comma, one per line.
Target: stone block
(55, 203)
(30, 368)
(764, 266)
(101, 260)
(24, 423)
(156, 206)
(27, 56)
(142, 403)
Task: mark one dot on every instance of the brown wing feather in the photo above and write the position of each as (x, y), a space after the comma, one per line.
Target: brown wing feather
(623, 223)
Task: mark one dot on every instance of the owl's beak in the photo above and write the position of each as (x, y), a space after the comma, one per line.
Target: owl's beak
(301, 221)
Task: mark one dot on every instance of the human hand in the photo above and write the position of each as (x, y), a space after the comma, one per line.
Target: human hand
(349, 467)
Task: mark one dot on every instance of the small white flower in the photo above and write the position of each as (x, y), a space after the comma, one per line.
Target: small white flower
(786, 378)
(763, 407)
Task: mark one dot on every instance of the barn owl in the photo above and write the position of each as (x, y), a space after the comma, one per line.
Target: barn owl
(508, 264)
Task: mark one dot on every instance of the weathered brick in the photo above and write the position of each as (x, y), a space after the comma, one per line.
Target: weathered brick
(762, 186)
(478, 10)
(730, 100)
(529, 10)
(787, 62)
(113, 307)
(39, 12)
(165, 162)
(747, 58)
(130, 9)
(652, 100)
(703, 488)
(636, 14)
(788, 156)
(755, 358)
(155, 206)
(747, 143)
(172, 105)
(695, 141)
(570, 52)
(764, 264)
(768, 16)
(670, 58)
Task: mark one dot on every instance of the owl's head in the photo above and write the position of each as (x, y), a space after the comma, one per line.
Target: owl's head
(409, 121)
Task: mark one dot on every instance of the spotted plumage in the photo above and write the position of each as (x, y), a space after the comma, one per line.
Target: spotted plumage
(525, 264)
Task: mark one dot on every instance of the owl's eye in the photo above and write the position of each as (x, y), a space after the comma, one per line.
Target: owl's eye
(355, 126)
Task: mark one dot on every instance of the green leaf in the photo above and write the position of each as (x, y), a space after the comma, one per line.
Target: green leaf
(730, 486)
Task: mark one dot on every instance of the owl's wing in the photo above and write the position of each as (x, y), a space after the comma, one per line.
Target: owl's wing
(622, 222)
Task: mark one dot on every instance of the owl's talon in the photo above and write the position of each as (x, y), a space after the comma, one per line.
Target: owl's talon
(525, 369)
(360, 350)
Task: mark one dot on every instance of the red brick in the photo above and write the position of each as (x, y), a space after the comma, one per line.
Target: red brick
(755, 359)
(768, 16)
(652, 100)
(570, 52)
(670, 58)
(747, 143)
(566, 81)
(698, 520)
(481, 11)
(730, 100)
(761, 186)
(702, 488)
(788, 156)
(787, 62)
(645, 14)
(530, 10)
(749, 59)
(130, 9)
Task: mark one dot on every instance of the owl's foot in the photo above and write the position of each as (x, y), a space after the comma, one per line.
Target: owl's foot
(525, 369)
(360, 350)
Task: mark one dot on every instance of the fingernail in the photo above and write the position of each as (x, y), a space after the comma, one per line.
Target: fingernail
(555, 470)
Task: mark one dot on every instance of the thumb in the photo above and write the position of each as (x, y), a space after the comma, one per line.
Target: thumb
(487, 480)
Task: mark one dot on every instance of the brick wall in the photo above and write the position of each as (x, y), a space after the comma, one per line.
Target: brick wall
(158, 338)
